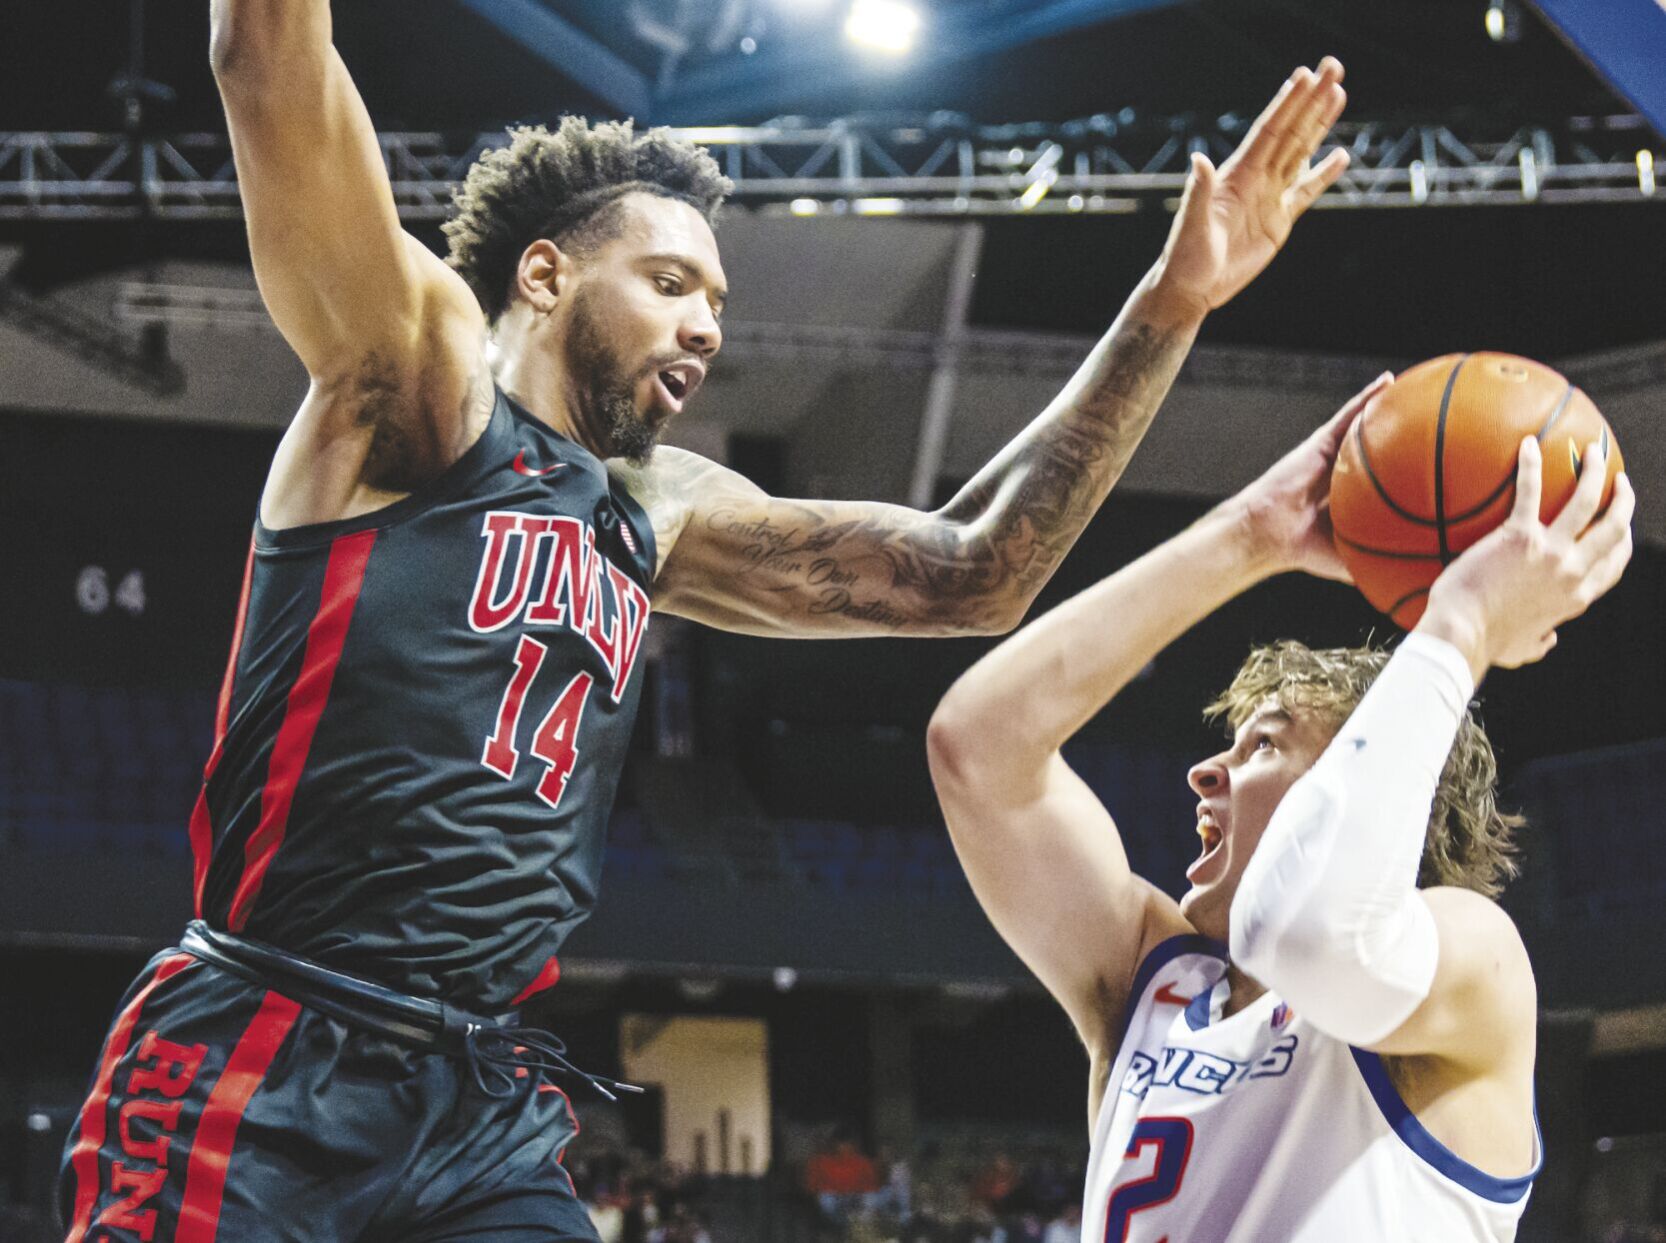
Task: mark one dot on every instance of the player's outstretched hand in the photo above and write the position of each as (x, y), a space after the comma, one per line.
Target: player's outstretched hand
(1503, 597)
(1232, 220)
(1288, 507)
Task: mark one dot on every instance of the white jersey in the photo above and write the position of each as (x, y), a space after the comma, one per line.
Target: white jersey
(1259, 1129)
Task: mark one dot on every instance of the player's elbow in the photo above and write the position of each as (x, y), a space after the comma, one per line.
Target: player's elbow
(955, 739)
(1005, 617)
(252, 40)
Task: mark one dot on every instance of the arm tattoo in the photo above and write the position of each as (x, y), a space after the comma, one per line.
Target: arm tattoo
(974, 566)
(1000, 539)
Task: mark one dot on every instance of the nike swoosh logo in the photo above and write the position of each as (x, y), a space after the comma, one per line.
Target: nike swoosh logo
(532, 472)
(1168, 997)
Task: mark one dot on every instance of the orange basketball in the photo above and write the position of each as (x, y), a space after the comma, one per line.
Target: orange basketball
(1429, 467)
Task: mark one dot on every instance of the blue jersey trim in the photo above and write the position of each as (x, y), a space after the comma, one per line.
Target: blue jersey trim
(1197, 1009)
(1161, 954)
(1437, 1154)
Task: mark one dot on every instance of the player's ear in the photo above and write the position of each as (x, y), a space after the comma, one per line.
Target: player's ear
(543, 276)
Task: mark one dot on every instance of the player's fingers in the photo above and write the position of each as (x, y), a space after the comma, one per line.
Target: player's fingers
(1614, 526)
(1318, 107)
(1333, 429)
(1529, 482)
(1321, 177)
(1582, 506)
(1298, 143)
(1607, 571)
(1199, 192)
(1262, 141)
(1608, 544)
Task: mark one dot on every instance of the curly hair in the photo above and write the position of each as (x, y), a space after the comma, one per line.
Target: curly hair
(566, 185)
(1470, 842)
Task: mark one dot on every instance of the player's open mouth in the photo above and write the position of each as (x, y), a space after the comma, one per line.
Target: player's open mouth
(1212, 838)
(677, 384)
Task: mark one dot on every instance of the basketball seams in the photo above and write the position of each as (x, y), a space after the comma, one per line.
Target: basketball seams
(1505, 484)
(1440, 459)
(1438, 447)
(1376, 483)
(1391, 553)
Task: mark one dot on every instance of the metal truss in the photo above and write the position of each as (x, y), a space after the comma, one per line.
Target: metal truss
(974, 350)
(940, 168)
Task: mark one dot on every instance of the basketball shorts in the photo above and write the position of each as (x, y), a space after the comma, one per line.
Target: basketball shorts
(223, 1108)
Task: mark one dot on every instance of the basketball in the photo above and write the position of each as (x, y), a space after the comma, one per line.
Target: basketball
(1429, 467)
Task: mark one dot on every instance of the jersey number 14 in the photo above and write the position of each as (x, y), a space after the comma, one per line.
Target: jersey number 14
(555, 741)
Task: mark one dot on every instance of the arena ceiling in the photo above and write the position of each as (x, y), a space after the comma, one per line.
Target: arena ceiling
(452, 64)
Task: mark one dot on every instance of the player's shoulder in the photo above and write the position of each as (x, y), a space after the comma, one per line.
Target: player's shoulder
(1172, 963)
(1479, 931)
(667, 487)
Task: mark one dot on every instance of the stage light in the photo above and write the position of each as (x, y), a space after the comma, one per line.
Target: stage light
(1503, 21)
(878, 207)
(1037, 190)
(1645, 171)
(804, 207)
(884, 25)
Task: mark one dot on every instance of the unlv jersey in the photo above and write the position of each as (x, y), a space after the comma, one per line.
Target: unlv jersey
(1257, 1128)
(423, 721)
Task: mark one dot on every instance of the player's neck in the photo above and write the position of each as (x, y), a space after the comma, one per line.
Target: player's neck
(538, 384)
(1242, 991)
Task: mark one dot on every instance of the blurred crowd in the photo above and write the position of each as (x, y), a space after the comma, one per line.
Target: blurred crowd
(633, 1198)
(936, 1198)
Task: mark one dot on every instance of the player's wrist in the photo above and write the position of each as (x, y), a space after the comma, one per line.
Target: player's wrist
(1164, 298)
(1241, 525)
(1460, 622)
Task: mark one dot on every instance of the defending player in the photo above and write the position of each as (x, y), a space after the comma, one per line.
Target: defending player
(1309, 1046)
(422, 725)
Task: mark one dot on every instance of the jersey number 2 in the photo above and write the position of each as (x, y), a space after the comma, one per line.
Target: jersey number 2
(1172, 1138)
(555, 741)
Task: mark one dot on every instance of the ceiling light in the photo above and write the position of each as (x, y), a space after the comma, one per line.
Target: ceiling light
(885, 25)
(1503, 21)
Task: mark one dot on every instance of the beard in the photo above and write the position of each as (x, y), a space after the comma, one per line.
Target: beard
(609, 390)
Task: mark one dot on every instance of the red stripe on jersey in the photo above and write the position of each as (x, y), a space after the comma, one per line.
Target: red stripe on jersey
(202, 828)
(547, 977)
(94, 1117)
(205, 1171)
(572, 1117)
(343, 579)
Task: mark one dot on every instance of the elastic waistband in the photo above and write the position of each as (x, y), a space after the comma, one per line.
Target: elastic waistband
(418, 1021)
(495, 1049)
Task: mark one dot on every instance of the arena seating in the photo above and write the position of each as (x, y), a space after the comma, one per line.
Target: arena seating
(95, 768)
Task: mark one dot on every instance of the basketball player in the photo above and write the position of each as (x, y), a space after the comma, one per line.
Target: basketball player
(1331, 1035)
(458, 546)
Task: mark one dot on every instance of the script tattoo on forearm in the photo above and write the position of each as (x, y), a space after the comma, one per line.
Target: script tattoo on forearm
(995, 545)
(974, 566)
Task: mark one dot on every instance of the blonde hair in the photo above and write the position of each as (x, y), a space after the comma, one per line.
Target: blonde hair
(1470, 842)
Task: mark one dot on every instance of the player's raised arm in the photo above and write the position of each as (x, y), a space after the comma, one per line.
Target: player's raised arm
(1328, 913)
(360, 301)
(735, 557)
(1041, 852)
